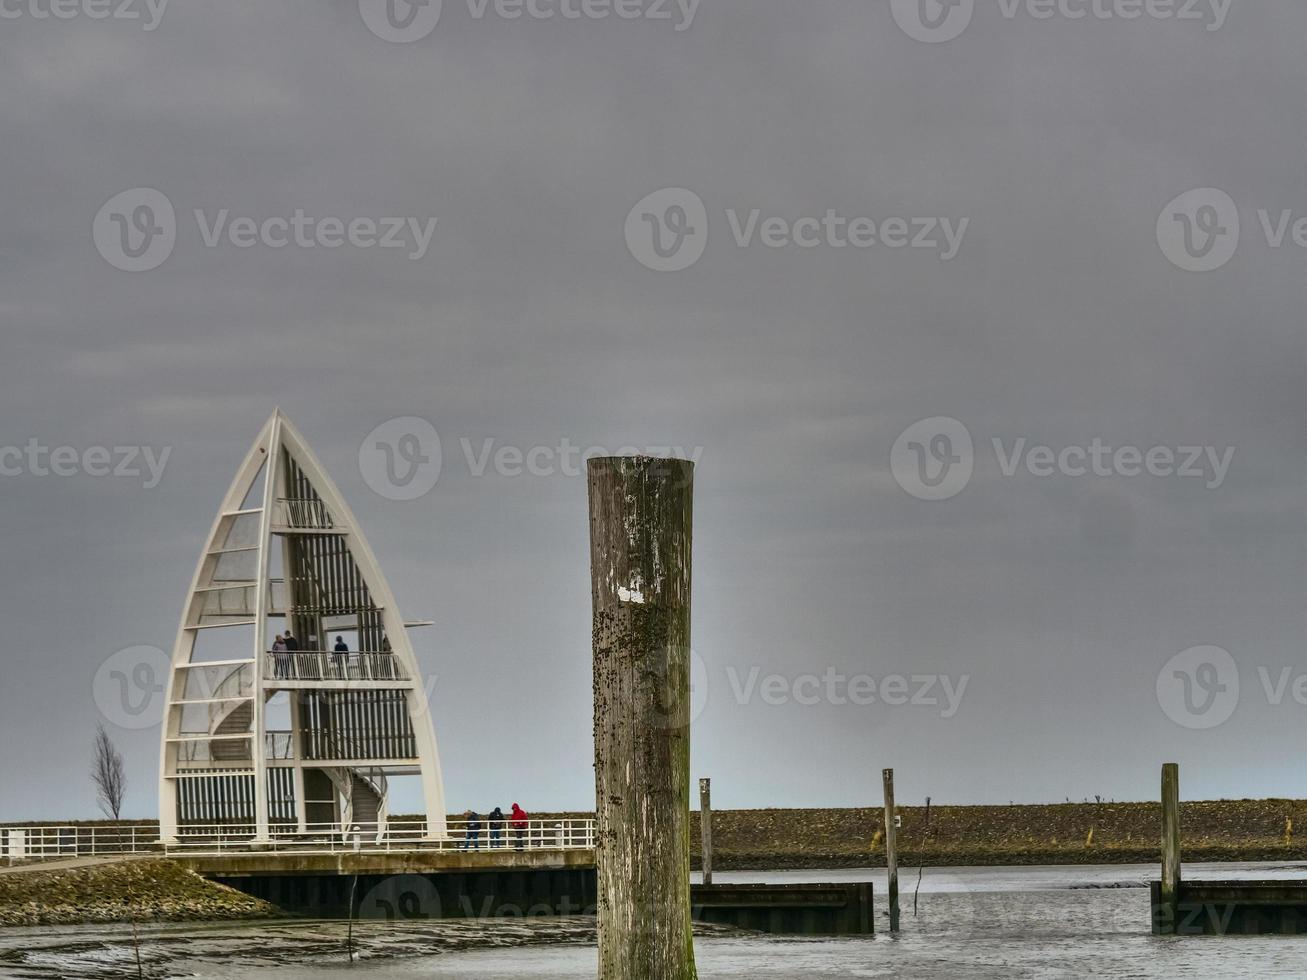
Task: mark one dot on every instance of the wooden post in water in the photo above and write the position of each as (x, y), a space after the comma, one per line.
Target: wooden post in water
(705, 827)
(891, 850)
(640, 545)
(1170, 894)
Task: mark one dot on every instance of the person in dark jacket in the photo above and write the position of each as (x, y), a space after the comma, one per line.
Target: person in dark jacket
(496, 820)
(292, 644)
(340, 657)
(472, 830)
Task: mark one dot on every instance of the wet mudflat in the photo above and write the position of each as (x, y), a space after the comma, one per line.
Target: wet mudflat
(981, 923)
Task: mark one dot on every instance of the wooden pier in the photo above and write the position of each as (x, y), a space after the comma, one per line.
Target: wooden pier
(1217, 908)
(818, 909)
(541, 890)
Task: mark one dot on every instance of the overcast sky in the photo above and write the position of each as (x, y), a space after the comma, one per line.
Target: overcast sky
(1030, 293)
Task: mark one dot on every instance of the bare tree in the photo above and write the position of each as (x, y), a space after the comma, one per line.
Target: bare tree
(108, 775)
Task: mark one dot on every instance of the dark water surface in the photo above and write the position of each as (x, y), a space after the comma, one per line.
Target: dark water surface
(972, 923)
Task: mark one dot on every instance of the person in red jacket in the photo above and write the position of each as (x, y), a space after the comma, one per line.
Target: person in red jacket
(517, 821)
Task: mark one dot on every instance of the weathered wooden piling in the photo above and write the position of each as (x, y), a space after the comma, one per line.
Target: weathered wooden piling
(1170, 893)
(640, 547)
(705, 827)
(891, 849)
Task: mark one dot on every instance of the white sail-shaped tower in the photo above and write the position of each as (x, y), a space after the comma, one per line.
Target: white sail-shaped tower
(277, 745)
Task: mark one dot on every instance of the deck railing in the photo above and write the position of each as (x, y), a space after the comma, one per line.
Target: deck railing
(45, 842)
(323, 665)
(397, 835)
(32, 843)
(300, 513)
(278, 746)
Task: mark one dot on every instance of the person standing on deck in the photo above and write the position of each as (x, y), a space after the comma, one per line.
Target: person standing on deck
(496, 820)
(472, 831)
(340, 656)
(281, 662)
(518, 821)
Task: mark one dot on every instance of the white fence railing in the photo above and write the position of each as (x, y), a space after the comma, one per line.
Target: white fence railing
(326, 666)
(300, 513)
(397, 835)
(32, 843)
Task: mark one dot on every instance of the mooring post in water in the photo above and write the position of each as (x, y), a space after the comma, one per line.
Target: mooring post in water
(891, 850)
(1170, 894)
(705, 826)
(640, 545)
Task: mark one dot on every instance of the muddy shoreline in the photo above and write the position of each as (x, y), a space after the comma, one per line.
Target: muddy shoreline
(150, 890)
(102, 953)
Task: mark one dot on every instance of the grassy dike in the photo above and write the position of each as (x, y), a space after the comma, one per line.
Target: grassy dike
(1070, 833)
(148, 890)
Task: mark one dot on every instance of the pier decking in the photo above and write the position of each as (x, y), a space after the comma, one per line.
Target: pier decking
(1217, 908)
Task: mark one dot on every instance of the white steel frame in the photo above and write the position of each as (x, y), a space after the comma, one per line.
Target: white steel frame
(277, 435)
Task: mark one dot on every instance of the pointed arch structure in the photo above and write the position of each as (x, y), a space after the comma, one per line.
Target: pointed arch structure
(286, 554)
